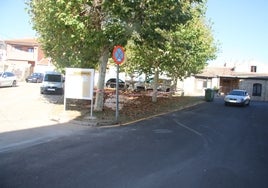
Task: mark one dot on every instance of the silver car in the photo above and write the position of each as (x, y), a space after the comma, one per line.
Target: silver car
(8, 79)
(238, 97)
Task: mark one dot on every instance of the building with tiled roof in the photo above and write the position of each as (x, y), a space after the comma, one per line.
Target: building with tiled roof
(23, 57)
(250, 76)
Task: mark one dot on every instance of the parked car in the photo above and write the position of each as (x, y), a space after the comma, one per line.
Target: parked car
(237, 97)
(35, 78)
(8, 79)
(111, 83)
(139, 86)
(163, 84)
(53, 82)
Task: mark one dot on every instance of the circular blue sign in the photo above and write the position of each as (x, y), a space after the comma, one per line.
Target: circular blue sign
(118, 54)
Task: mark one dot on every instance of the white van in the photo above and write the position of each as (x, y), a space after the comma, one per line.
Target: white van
(53, 82)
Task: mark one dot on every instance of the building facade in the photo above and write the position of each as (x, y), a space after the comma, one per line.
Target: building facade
(23, 57)
(250, 76)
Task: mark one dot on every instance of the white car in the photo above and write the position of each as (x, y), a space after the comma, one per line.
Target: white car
(238, 97)
(8, 79)
(53, 82)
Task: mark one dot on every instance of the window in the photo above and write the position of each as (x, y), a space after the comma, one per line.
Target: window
(253, 69)
(30, 50)
(257, 89)
(205, 83)
(16, 48)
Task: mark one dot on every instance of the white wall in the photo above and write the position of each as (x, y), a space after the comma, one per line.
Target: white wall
(245, 66)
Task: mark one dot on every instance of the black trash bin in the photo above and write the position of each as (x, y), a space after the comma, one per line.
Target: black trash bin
(209, 94)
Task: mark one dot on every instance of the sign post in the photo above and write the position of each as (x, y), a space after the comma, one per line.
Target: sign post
(118, 57)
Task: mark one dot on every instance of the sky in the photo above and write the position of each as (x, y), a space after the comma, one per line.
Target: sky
(14, 20)
(239, 26)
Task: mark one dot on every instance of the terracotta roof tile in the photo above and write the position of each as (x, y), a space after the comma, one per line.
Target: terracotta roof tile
(212, 72)
(27, 41)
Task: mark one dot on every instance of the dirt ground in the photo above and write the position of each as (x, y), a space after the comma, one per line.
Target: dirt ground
(133, 106)
(23, 107)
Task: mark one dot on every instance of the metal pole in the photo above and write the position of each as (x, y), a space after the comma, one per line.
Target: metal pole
(64, 102)
(91, 108)
(117, 96)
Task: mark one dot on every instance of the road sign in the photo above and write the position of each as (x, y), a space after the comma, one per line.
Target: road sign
(118, 57)
(118, 54)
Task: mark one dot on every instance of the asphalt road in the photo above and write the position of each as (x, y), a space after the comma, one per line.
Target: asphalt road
(209, 145)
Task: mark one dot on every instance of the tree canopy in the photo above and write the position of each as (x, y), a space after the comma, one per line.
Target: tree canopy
(82, 33)
(73, 32)
(181, 52)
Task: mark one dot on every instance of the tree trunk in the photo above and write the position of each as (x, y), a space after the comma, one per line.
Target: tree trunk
(99, 101)
(155, 85)
(173, 87)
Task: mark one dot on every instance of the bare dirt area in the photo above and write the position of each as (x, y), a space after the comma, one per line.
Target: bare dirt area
(23, 107)
(134, 106)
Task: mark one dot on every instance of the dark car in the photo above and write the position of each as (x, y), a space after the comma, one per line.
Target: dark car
(111, 83)
(35, 78)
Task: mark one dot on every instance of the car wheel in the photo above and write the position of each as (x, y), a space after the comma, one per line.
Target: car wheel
(61, 92)
(244, 103)
(226, 103)
(14, 83)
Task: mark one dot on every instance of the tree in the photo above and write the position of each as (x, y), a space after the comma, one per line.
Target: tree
(180, 52)
(82, 33)
(78, 33)
(191, 46)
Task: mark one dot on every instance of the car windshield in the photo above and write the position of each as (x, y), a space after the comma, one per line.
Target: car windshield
(35, 74)
(114, 80)
(240, 93)
(53, 78)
